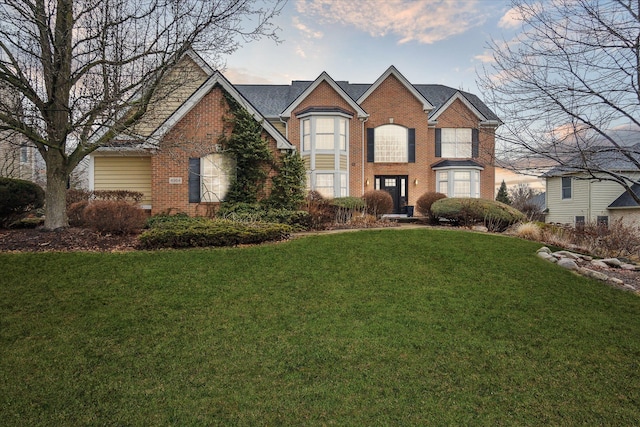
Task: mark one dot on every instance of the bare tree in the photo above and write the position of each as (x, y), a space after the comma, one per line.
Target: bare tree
(86, 71)
(568, 90)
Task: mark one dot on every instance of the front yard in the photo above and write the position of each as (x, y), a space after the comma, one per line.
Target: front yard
(377, 327)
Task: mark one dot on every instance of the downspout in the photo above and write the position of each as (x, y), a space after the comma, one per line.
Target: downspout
(363, 120)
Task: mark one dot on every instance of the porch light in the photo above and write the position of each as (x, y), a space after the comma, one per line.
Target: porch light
(367, 182)
(415, 181)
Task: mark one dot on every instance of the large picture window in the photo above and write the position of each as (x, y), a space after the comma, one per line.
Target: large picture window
(210, 177)
(391, 144)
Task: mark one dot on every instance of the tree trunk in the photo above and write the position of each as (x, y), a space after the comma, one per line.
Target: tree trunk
(56, 192)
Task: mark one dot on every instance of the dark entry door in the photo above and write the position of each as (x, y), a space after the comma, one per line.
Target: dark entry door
(396, 185)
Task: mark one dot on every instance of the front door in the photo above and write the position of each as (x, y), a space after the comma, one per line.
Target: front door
(396, 185)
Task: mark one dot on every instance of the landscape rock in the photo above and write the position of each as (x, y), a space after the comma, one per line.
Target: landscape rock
(615, 281)
(599, 264)
(545, 250)
(629, 267)
(568, 264)
(593, 274)
(480, 228)
(547, 256)
(566, 254)
(613, 262)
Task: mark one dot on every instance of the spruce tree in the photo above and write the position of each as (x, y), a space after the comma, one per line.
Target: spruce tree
(503, 194)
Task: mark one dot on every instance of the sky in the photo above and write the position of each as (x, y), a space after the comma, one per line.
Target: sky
(428, 41)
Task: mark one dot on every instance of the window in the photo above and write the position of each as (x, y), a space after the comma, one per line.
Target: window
(210, 177)
(324, 133)
(324, 146)
(459, 182)
(24, 154)
(566, 187)
(391, 144)
(456, 143)
(602, 221)
(580, 221)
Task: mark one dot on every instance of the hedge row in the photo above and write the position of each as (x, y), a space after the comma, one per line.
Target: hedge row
(494, 215)
(185, 232)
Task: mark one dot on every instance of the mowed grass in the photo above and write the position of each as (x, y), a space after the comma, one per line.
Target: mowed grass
(380, 327)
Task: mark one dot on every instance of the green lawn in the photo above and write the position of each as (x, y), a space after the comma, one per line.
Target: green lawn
(382, 327)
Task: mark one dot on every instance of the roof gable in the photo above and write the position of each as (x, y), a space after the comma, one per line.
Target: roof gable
(625, 200)
(392, 71)
(218, 79)
(324, 77)
(459, 96)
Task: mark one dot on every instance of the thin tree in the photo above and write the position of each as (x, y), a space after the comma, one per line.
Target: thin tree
(503, 194)
(567, 88)
(86, 71)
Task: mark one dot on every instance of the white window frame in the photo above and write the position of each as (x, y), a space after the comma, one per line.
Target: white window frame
(447, 178)
(563, 187)
(310, 124)
(456, 143)
(217, 170)
(391, 144)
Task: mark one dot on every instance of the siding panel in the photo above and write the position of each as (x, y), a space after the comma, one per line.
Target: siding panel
(123, 173)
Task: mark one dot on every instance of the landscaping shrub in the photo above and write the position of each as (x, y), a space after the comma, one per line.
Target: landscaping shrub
(255, 212)
(117, 217)
(466, 212)
(75, 213)
(203, 232)
(424, 202)
(378, 202)
(321, 212)
(348, 208)
(18, 197)
(76, 195)
(529, 231)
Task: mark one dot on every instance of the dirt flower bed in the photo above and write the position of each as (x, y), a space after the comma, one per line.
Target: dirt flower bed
(65, 240)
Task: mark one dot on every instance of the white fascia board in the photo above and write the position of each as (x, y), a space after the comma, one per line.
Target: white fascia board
(198, 95)
(466, 102)
(426, 105)
(324, 77)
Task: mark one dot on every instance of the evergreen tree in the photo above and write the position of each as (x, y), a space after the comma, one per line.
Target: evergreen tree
(288, 185)
(503, 194)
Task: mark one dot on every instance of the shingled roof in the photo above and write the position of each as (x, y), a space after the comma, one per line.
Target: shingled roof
(271, 100)
(625, 200)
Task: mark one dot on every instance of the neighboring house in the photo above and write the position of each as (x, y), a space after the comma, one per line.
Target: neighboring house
(575, 198)
(392, 135)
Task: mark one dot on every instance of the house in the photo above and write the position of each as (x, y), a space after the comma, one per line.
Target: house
(391, 134)
(575, 197)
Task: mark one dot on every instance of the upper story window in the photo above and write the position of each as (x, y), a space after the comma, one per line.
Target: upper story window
(566, 187)
(457, 143)
(324, 133)
(391, 144)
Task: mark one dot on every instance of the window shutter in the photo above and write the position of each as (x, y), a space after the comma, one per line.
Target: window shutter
(370, 145)
(438, 142)
(194, 180)
(475, 143)
(412, 145)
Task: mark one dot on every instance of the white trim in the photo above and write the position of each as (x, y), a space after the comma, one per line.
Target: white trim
(324, 77)
(91, 171)
(426, 105)
(465, 101)
(438, 168)
(198, 95)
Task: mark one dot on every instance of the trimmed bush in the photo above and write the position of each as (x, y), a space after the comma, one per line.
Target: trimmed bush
(75, 213)
(378, 202)
(117, 217)
(254, 212)
(424, 202)
(466, 212)
(204, 232)
(17, 197)
(76, 195)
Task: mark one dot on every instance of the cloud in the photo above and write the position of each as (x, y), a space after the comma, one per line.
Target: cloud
(511, 19)
(422, 21)
(485, 58)
(243, 76)
(306, 31)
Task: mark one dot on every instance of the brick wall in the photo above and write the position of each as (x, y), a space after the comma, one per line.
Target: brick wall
(196, 135)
